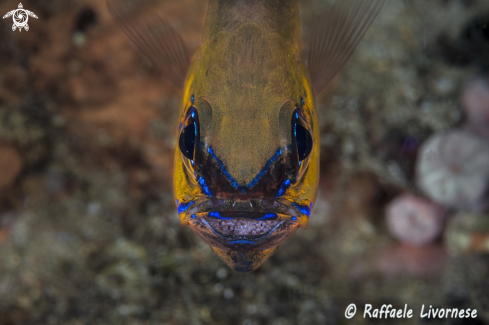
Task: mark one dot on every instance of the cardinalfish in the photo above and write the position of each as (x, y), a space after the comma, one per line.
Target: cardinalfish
(247, 159)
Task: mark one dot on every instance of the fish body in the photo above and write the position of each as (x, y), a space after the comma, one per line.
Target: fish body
(247, 81)
(247, 164)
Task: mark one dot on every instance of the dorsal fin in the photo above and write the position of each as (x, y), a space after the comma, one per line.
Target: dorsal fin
(335, 35)
(154, 36)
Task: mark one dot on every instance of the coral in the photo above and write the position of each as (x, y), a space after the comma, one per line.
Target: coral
(414, 220)
(453, 170)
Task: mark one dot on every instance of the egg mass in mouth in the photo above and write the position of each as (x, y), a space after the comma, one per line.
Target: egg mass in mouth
(242, 226)
(243, 230)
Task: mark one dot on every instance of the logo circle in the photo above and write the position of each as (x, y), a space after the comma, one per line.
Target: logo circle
(350, 311)
(20, 18)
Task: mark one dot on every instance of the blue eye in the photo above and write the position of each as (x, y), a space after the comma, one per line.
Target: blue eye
(192, 99)
(302, 101)
(302, 137)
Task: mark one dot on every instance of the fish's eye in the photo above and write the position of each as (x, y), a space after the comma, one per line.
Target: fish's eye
(302, 136)
(189, 134)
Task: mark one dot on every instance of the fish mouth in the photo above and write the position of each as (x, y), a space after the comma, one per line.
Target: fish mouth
(243, 225)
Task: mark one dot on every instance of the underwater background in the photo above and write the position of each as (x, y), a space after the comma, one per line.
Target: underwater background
(89, 232)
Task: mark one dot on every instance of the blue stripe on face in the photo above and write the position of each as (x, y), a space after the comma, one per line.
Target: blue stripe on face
(264, 170)
(204, 187)
(223, 168)
(283, 188)
(216, 215)
(240, 242)
(184, 206)
(233, 182)
(304, 209)
(268, 216)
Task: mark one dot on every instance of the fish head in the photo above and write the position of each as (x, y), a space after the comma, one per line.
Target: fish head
(247, 159)
(246, 167)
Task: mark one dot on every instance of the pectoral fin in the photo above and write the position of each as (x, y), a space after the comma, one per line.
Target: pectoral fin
(30, 13)
(154, 37)
(335, 35)
(8, 14)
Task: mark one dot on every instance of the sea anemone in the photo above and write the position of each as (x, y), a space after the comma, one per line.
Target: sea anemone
(413, 220)
(452, 169)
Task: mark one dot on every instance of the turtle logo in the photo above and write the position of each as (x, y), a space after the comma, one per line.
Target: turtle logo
(20, 16)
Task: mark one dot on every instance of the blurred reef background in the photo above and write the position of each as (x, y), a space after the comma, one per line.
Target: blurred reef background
(89, 232)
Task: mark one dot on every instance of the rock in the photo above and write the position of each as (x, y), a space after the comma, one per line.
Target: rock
(468, 233)
(413, 260)
(475, 100)
(11, 164)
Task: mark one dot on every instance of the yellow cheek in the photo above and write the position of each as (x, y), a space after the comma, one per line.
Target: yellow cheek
(186, 92)
(184, 188)
(309, 96)
(306, 191)
(179, 184)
